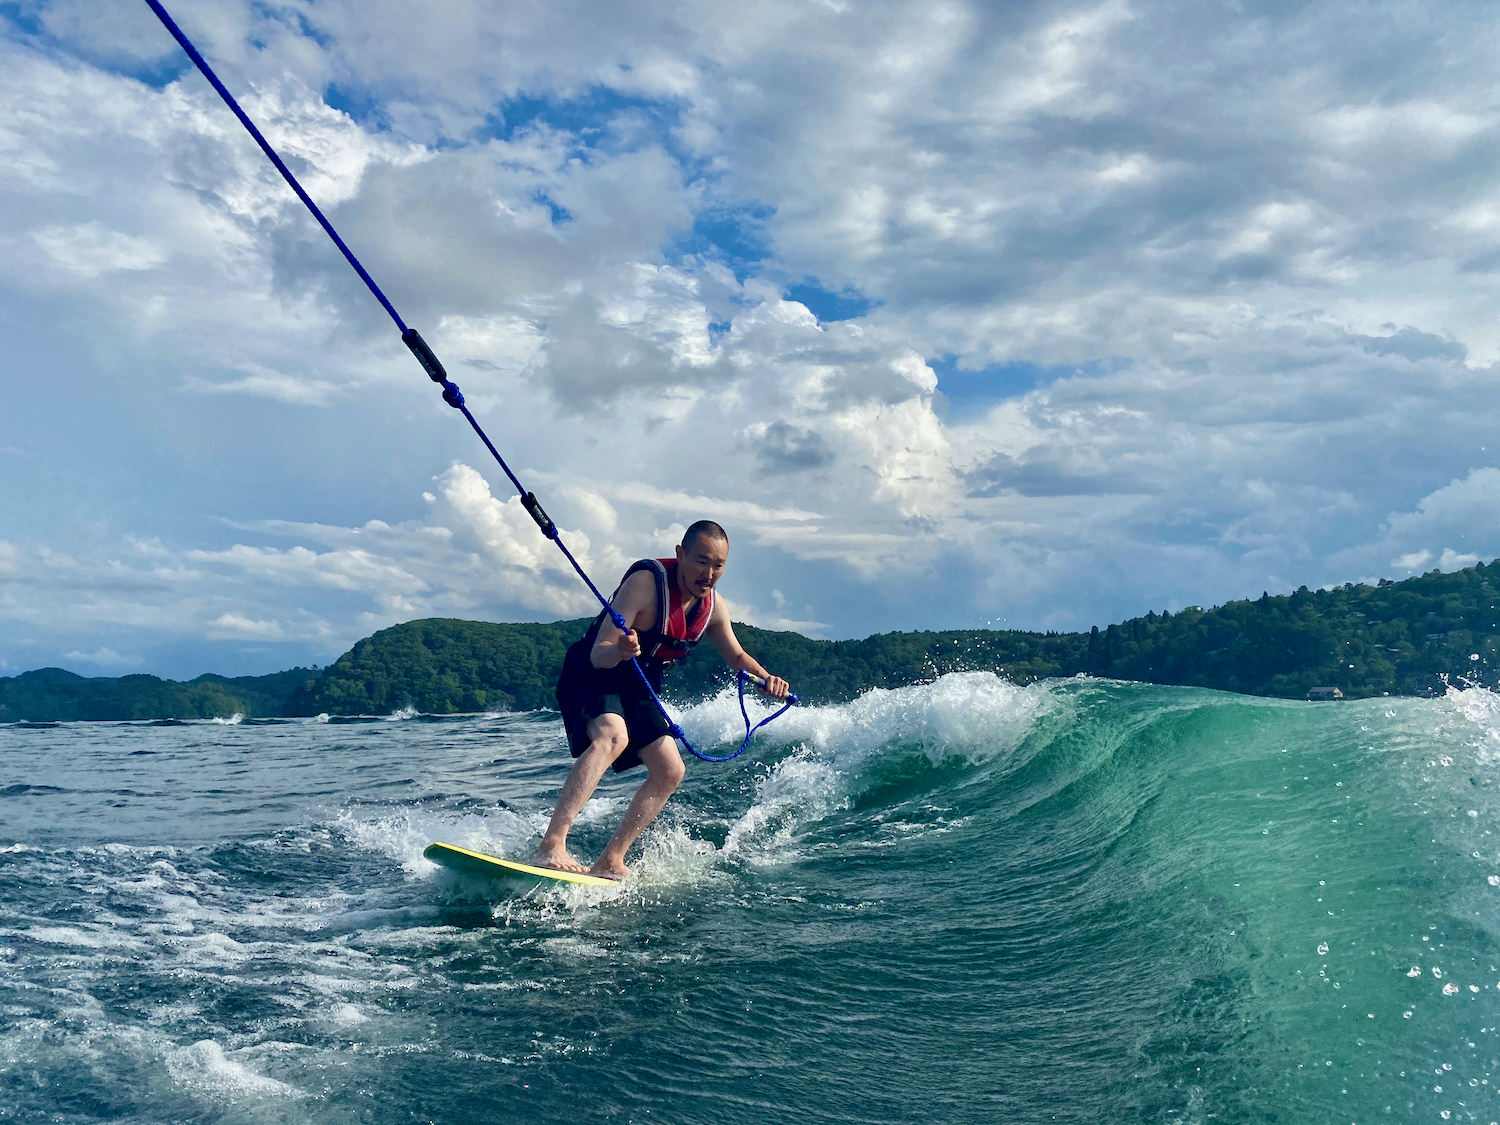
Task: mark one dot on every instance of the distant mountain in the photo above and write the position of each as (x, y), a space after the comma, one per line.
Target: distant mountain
(441, 665)
(53, 693)
(1401, 638)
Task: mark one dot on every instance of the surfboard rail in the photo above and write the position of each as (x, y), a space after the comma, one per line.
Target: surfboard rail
(470, 862)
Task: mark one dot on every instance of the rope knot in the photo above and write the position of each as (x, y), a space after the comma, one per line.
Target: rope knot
(452, 395)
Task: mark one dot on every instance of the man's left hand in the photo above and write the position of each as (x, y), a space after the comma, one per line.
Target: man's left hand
(775, 687)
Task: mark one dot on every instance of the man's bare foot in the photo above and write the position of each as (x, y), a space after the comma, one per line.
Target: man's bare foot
(557, 858)
(609, 869)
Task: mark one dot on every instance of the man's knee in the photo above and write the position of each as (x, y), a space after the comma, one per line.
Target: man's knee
(664, 763)
(608, 740)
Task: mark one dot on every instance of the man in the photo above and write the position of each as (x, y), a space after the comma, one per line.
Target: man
(668, 604)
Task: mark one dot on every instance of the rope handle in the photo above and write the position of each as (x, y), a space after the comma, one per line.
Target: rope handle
(791, 697)
(743, 678)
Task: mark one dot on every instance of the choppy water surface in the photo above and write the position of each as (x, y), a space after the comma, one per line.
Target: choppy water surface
(960, 902)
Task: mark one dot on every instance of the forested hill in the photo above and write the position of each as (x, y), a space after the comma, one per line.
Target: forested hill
(1396, 637)
(50, 694)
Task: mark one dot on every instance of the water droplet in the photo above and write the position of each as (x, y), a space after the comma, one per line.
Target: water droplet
(1450, 989)
(1437, 972)
(1414, 971)
(1323, 949)
(1493, 880)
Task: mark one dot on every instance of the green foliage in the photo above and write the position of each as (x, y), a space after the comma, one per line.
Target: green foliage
(443, 665)
(1396, 637)
(54, 694)
(1401, 638)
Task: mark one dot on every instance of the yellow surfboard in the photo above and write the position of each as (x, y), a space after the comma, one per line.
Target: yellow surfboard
(455, 858)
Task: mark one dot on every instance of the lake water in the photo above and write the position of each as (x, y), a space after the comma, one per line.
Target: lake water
(962, 901)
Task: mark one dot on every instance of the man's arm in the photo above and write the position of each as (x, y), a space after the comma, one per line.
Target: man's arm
(722, 634)
(636, 603)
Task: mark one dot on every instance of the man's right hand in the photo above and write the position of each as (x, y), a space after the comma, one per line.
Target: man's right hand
(612, 653)
(628, 645)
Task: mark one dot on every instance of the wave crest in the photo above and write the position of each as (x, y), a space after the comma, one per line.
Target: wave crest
(973, 715)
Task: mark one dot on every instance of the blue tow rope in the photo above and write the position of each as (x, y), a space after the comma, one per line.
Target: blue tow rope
(454, 398)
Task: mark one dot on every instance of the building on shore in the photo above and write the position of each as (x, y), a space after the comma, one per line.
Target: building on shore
(1324, 694)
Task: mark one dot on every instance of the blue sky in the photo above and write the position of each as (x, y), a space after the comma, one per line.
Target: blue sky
(955, 314)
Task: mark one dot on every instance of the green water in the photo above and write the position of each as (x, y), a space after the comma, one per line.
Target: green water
(957, 902)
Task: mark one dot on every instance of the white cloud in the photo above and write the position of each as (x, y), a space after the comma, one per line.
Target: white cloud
(270, 384)
(90, 249)
(1225, 274)
(236, 626)
(106, 658)
(1445, 525)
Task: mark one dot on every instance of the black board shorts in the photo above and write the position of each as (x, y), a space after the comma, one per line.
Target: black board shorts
(585, 692)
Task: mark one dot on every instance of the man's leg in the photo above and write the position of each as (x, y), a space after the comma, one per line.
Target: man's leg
(665, 769)
(607, 741)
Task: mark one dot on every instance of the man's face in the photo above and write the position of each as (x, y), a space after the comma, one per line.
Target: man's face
(699, 565)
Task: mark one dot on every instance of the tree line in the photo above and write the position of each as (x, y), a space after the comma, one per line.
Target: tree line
(1400, 638)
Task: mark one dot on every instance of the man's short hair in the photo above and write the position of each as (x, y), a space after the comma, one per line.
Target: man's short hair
(704, 527)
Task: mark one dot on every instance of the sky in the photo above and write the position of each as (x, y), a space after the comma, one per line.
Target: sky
(956, 315)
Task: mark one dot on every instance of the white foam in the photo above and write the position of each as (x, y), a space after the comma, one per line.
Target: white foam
(975, 716)
(798, 790)
(204, 1068)
(573, 946)
(1480, 706)
(233, 721)
(403, 835)
(214, 950)
(346, 1015)
(101, 938)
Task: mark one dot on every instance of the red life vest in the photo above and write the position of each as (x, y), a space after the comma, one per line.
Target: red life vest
(676, 630)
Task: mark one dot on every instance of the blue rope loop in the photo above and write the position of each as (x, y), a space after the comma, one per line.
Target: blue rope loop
(451, 394)
(743, 678)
